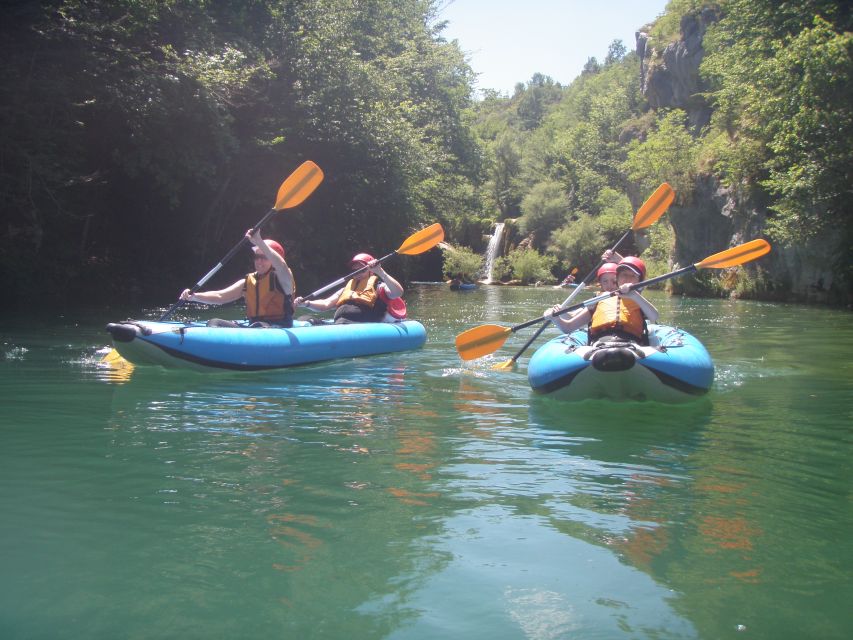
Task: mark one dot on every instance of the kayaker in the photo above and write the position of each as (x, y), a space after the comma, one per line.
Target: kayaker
(364, 298)
(268, 290)
(623, 316)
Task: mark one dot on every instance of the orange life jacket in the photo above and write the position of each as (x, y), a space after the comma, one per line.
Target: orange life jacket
(361, 292)
(266, 300)
(619, 315)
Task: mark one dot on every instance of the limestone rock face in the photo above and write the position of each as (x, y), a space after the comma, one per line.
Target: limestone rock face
(713, 217)
(670, 78)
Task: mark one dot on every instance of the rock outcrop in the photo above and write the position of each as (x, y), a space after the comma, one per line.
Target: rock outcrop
(714, 217)
(670, 78)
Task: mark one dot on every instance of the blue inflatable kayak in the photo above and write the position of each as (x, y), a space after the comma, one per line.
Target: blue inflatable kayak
(196, 346)
(675, 367)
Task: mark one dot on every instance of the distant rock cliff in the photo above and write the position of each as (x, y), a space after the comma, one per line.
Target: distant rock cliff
(714, 217)
(670, 78)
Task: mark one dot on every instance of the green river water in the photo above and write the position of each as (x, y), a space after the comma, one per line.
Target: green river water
(413, 495)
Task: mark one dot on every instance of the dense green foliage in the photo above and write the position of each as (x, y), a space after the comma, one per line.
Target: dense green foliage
(783, 88)
(463, 263)
(140, 138)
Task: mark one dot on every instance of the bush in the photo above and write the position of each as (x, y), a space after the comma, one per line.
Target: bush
(462, 260)
(528, 265)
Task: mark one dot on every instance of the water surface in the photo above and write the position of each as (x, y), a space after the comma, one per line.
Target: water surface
(416, 496)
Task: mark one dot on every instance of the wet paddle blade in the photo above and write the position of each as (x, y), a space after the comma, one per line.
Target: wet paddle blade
(298, 186)
(423, 240)
(112, 356)
(481, 341)
(740, 254)
(505, 365)
(654, 207)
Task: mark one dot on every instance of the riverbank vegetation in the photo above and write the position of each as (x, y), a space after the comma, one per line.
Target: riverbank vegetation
(140, 139)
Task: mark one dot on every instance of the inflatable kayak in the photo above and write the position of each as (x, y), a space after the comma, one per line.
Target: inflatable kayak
(197, 346)
(674, 367)
(463, 286)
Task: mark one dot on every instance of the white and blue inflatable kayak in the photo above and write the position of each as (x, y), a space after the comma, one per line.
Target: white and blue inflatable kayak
(197, 346)
(674, 367)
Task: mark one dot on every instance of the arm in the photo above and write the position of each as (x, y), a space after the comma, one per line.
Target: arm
(394, 288)
(282, 270)
(319, 305)
(221, 296)
(611, 256)
(575, 321)
(649, 310)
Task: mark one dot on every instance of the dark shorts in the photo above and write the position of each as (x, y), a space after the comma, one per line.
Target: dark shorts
(350, 313)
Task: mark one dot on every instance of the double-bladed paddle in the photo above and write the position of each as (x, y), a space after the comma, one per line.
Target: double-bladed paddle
(415, 244)
(653, 208)
(485, 339)
(292, 192)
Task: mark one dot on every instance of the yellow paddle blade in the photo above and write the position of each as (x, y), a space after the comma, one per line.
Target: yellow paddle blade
(112, 356)
(736, 255)
(481, 341)
(506, 364)
(298, 186)
(654, 207)
(423, 240)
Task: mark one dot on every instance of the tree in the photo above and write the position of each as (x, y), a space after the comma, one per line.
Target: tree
(544, 209)
(669, 154)
(528, 265)
(462, 261)
(615, 53)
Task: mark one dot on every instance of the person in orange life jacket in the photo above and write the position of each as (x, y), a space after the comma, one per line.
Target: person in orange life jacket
(268, 290)
(622, 316)
(606, 280)
(364, 298)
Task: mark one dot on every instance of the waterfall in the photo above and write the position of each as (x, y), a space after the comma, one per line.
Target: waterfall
(493, 251)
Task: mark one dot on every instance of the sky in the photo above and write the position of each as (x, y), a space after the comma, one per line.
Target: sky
(507, 41)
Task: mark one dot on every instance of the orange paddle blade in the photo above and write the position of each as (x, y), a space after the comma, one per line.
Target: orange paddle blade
(654, 207)
(481, 341)
(298, 186)
(423, 240)
(736, 255)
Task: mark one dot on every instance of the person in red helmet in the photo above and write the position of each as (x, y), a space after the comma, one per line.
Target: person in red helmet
(621, 317)
(606, 275)
(364, 298)
(268, 290)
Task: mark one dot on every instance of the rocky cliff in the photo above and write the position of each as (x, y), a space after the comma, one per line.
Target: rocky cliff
(713, 217)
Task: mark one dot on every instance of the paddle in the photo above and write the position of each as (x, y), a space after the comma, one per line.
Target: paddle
(651, 211)
(292, 192)
(485, 339)
(417, 243)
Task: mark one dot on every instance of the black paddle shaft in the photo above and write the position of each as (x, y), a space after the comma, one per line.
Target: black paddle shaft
(237, 247)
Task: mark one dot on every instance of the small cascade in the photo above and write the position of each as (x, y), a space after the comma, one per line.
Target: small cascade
(492, 252)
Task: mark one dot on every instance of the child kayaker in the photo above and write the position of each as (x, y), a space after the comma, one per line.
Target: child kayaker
(268, 290)
(364, 298)
(623, 316)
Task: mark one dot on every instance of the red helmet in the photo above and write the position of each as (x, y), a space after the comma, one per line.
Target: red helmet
(275, 246)
(362, 257)
(272, 244)
(634, 264)
(607, 267)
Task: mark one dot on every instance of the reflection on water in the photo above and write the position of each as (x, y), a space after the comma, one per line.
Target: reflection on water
(413, 495)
